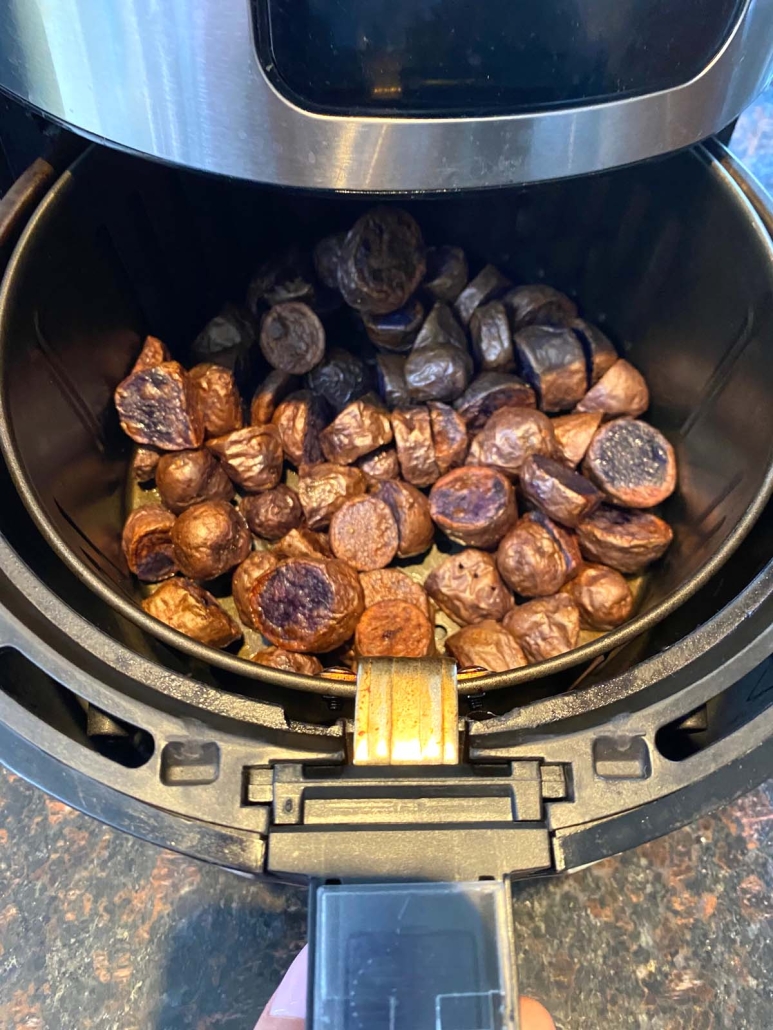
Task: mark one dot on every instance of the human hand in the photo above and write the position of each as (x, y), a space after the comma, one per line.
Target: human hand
(287, 1008)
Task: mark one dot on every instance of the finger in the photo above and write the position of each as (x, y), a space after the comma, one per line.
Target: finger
(287, 1009)
(534, 1016)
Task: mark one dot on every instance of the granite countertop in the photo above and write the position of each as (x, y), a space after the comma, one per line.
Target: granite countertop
(99, 931)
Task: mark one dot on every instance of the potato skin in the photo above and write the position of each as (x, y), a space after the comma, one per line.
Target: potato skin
(255, 565)
(628, 541)
(563, 495)
(469, 589)
(511, 436)
(473, 505)
(322, 490)
(289, 661)
(218, 398)
(273, 513)
(396, 629)
(411, 511)
(537, 557)
(251, 457)
(158, 407)
(546, 627)
(185, 478)
(209, 539)
(602, 596)
(147, 543)
(486, 645)
(188, 608)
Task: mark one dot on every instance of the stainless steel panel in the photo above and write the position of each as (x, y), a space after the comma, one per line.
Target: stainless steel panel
(180, 80)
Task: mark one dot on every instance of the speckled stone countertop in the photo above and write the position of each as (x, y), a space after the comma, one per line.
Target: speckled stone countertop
(99, 931)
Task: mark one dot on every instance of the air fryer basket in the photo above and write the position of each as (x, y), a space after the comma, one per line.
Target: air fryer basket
(668, 257)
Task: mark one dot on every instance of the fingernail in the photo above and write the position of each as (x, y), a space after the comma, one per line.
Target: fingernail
(289, 1001)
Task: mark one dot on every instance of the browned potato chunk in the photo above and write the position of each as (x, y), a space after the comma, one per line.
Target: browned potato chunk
(289, 661)
(415, 450)
(147, 543)
(573, 435)
(307, 604)
(446, 273)
(489, 392)
(379, 466)
(324, 488)
(492, 341)
(545, 628)
(488, 283)
(363, 533)
(628, 541)
(158, 407)
(144, 463)
(361, 427)
(292, 338)
(271, 392)
(390, 371)
(252, 457)
(209, 539)
(551, 359)
(255, 565)
(566, 496)
(449, 436)
(622, 390)
(303, 543)
(184, 478)
(538, 304)
(188, 608)
(396, 330)
(473, 505)
(602, 596)
(411, 511)
(439, 367)
(300, 420)
(632, 463)
(393, 585)
(511, 436)
(468, 588)
(382, 260)
(537, 556)
(600, 353)
(274, 513)
(219, 399)
(487, 645)
(394, 628)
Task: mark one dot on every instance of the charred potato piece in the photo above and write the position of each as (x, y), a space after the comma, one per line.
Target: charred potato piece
(473, 505)
(324, 488)
(545, 628)
(188, 608)
(489, 392)
(380, 465)
(228, 341)
(468, 588)
(539, 304)
(412, 430)
(271, 392)
(573, 435)
(289, 661)
(300, 420)
(632, 463)
(511, 436)
(537, 557)
(363, 533)
(628, 541)
(147, 543)
(307, 604)
(153, 353)
(396, 330)
(449, 436)
(393, 585)
(255, 565)
(600, 353)
(551, 359)
(327, 259)
(303, 543)
(620, 391)
(360, 428)
(486, 645)
(185, 478)
(219, 399)
(144, 463)
(394, 629)
(390, 369)
(488, 283)
(563, 495)
(411, 511)
(272, 514)
(209, 539)
(340, 379)
(382, 261)
(285, 277)
(439, 366)
(158, 407)
(292, 338)
(602, 596)
(492, 340)
(447, 273)
(252, 457)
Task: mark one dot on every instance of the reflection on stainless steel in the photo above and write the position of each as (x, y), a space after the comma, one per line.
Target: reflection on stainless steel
(180, 80)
